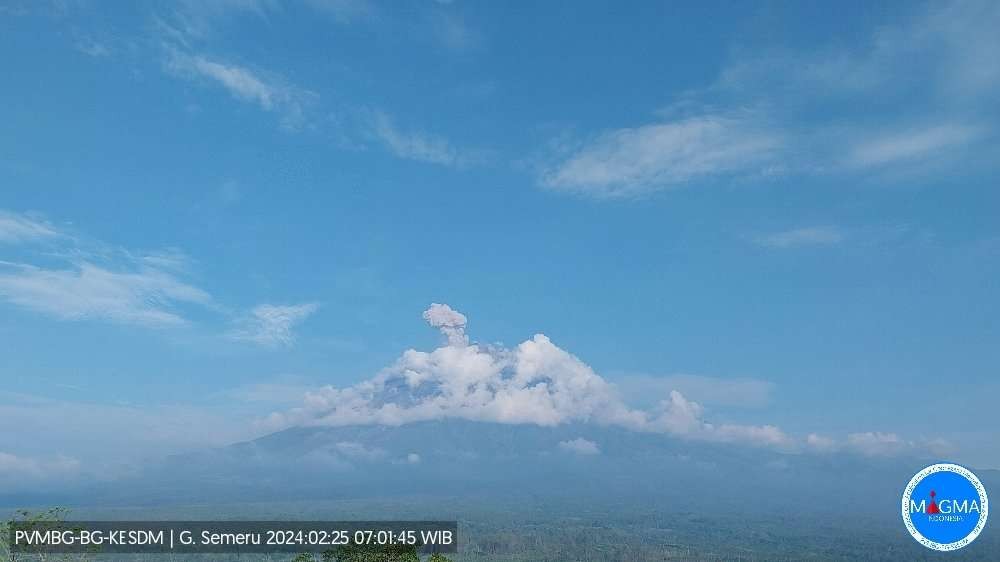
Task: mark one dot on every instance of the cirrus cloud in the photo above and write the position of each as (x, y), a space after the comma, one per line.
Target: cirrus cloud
(143, 295)
(271, 325)
(267, 91)
(916, 94)
(637, 160)
(90, 280)
(16, 227)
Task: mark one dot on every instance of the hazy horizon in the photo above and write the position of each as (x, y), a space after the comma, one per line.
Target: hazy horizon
(244, 241)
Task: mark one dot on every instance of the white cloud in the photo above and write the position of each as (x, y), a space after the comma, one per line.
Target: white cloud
(412, 145)
(679, 415)
(924, 79)
(352, 126)
(875, 444)
(141, 295)
(943, 54)
(537, 382)
(271, 325)
(638, 160)
(580, 446)
(413, 458)
(912, 144)
(269, 93)
(534, 383)
(23, 228)
(358, 451)
(807, 236)
(32, 467)
(769, 435)
(79, 279)
(820, 443)
(239, 81)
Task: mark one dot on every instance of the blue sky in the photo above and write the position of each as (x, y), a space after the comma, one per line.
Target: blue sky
(785, 212)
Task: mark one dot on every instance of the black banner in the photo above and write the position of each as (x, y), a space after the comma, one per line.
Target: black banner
(192, 537)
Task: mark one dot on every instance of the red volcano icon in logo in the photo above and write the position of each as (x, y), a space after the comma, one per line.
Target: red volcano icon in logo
(933, 508)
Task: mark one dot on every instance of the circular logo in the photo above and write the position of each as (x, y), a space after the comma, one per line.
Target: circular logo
(945, 507)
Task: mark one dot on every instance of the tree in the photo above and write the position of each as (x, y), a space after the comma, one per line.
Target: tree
(371, 553)
(27, 519)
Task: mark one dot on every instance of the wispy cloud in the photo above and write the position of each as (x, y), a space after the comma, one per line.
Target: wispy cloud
(270, 93)
(184, 32)
(81, 279)
(274, 94)
(907, 95)
(948, 48)
(633, 161)
(16, 227)
(911, 144)
(144, 295)
(414, 145)
(806, 236)
(239, 81)
(272, 325)
(144, 290)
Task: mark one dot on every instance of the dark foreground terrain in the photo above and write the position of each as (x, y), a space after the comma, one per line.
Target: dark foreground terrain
(519, 493)
(530, 529)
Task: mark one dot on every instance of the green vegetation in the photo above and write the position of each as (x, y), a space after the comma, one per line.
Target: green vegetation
(523, 530)
(31, 519)
(355, 553)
